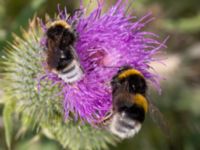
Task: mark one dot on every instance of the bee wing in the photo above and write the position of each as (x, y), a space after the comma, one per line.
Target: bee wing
(53, 55)
(74, 53)
(159, 119)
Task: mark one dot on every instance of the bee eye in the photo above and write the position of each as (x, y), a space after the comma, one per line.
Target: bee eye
(132, 88)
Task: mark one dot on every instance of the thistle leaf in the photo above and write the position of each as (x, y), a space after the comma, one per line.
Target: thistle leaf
(7, 119)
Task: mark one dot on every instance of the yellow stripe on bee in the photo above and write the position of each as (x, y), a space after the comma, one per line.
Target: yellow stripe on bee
(129, 72)
(140, 100)
(60, 22)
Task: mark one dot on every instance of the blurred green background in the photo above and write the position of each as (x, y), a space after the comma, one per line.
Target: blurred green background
(180, 98)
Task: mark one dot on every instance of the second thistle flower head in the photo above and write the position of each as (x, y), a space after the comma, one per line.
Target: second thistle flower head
(105, 42)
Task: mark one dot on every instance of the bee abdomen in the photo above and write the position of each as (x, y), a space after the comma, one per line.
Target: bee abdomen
(124, 127)
(71, 73)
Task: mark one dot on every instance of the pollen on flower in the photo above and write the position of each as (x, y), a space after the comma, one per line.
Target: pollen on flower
(105, 42)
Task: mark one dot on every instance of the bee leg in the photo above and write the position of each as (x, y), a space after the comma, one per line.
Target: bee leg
(108, 116)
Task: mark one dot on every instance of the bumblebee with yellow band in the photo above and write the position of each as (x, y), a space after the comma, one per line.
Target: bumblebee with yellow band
(130, 104)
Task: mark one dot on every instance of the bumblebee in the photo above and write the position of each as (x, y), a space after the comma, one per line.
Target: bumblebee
(130, 104)
(61, 55)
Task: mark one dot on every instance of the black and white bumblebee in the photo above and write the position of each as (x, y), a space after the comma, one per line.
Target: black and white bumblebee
(61, 55)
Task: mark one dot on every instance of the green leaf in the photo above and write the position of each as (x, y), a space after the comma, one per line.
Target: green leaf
(185, 25)
(7, 119)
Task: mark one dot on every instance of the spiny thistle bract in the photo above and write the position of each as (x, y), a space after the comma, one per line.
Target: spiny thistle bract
(105, 41)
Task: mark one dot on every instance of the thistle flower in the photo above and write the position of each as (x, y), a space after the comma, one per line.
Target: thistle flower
(106, 41)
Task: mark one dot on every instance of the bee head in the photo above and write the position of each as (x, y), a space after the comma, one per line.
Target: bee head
(62, 32)
(55, 32)
(130, 79)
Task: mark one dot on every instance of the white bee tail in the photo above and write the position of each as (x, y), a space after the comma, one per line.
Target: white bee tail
(72, 73)
(124, 127)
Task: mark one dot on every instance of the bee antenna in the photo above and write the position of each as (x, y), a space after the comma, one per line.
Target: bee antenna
(79, 13)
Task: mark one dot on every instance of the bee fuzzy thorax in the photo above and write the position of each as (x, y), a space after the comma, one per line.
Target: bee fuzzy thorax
(129, 72)
(62, 23)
